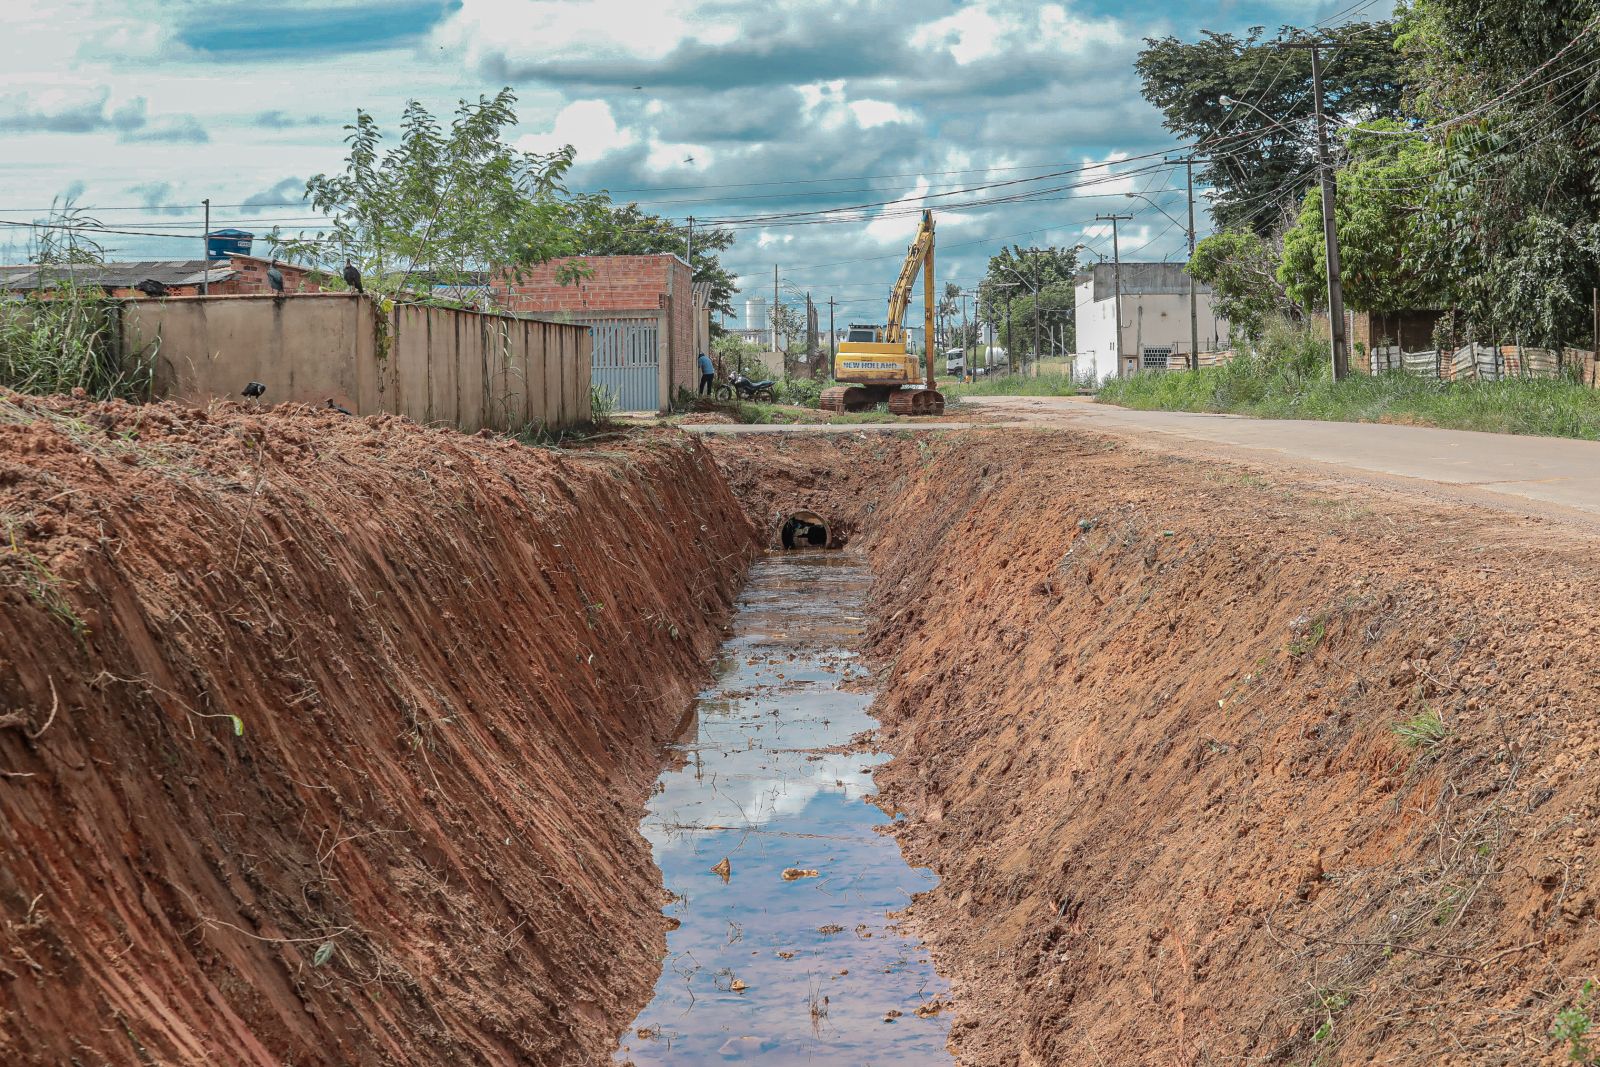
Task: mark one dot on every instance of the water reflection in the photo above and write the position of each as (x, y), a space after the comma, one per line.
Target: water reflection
(767, 968)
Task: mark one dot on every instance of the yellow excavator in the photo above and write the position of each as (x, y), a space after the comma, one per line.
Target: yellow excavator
(876, 362)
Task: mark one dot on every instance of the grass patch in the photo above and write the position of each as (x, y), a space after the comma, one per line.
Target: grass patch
(1422, 731)
(1289, 379)
(1046, 384)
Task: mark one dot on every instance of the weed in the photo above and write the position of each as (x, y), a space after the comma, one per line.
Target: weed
(1573, 1027)
(1422, 731)
(1045, 384)
(45, 588)
(1330, 1002)
(1303, 644)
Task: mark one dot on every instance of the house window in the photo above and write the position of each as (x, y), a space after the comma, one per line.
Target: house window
(1154, 358)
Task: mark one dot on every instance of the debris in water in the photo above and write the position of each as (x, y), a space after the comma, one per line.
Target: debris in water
(794, 874)
(831, 928)
(931, 1008)
(738, 985)
(723, 870)
(785, 955)
(891, 1015)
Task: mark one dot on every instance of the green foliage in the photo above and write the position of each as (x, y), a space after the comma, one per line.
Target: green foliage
(602, 228)
(1242, 271)
(735, 355)
(801, 392)
(1013, 276)
(1422, 731)
(602, 404)
(66, 335)
(1264, 158)
(442, 204)
(1516, 200)
(1044, 384)
(1384, 225)
(1288, 379)
(1574, 1028)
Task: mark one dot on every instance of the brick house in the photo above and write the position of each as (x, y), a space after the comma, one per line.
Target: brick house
(230, 276)
(642, 312)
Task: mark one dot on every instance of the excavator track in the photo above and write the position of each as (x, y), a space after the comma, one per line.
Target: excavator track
(849, 398)
(917, 402)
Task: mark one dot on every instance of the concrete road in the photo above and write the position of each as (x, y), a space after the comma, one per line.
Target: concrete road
(1543, 476)
(1520, 471)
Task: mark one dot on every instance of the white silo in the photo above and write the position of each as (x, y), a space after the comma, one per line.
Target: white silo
(755, 313)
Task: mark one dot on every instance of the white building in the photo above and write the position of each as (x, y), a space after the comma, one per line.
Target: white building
(1155, 319)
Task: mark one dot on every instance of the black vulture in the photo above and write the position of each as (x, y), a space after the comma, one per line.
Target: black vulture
(340, 408)
(254, 391)
(352, 277)
(151, 287)
(274, 278)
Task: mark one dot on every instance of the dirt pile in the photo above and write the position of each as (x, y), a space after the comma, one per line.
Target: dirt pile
(324, 740)
(1220, 768)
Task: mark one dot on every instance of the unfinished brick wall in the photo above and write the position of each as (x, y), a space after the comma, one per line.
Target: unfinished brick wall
(250, 276)
(615, 285)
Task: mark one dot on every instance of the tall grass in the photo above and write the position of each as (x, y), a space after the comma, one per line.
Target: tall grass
(1046, 384)
(68, 337)
(1288, 378)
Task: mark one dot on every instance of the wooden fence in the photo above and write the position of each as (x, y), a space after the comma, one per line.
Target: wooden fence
(433, 365)
(1487, 363)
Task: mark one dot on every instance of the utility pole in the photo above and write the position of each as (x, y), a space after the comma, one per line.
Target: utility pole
(1330, 230)
(774, 316)
(1116, 274)
(689, 256)
(1194, 314)
(1011, 366)
(833, 336)
(205, 243)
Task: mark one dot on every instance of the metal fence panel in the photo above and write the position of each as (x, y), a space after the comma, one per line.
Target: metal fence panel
(626, 360)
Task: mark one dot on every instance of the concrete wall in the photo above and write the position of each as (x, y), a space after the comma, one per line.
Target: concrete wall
(432, 365)
(1155, 320)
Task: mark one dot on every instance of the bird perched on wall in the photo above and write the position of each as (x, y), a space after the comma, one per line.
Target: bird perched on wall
(151, 287)
(275, 278)
(340, 408)
(254, 391)
(352, 277)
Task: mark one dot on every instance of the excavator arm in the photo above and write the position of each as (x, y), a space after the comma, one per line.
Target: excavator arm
(920, 251)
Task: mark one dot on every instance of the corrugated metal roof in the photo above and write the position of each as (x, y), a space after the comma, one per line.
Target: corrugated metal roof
(113, 275)
(702, 294)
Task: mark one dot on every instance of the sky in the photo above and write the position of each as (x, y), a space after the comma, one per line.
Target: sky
(719, 109)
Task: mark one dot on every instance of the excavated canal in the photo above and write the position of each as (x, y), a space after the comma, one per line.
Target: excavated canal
(780, 882)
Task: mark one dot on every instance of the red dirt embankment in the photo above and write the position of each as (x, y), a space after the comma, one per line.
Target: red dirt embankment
(325, 740)
(1147, 718)
(1144, 717)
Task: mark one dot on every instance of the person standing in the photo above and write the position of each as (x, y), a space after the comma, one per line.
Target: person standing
(708, 374)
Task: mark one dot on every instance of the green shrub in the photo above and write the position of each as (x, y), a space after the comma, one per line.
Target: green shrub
(68, 337)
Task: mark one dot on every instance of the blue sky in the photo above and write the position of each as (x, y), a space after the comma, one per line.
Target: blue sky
(140, 108)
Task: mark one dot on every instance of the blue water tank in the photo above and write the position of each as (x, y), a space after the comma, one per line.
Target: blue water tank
(220, 244)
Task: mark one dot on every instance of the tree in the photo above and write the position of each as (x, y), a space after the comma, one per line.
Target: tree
(1385, 224)
(735, 354)
(602, 228)
(1264, 147)
(1513, 87)
(1017, 273)
(448, 204)
(1242, 271)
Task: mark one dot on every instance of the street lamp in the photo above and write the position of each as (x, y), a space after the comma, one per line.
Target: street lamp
(1034, 289)
(1011, 365)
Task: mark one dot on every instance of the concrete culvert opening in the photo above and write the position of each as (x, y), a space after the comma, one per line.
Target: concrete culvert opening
(805, 529)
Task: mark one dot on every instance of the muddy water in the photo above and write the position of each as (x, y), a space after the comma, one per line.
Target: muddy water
(763, 968)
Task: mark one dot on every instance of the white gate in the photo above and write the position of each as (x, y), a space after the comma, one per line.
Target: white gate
(626, 361)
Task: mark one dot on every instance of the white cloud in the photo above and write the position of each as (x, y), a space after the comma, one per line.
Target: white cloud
(986, 29)
(870, 113)
(587, 125)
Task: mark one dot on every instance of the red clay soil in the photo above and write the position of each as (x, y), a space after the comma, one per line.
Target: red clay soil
(324, 740)
(1147, 720)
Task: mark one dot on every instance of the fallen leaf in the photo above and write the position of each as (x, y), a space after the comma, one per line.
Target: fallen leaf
(794, 874)
(723, 870)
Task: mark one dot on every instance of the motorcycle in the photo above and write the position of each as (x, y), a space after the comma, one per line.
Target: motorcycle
(743, 388)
